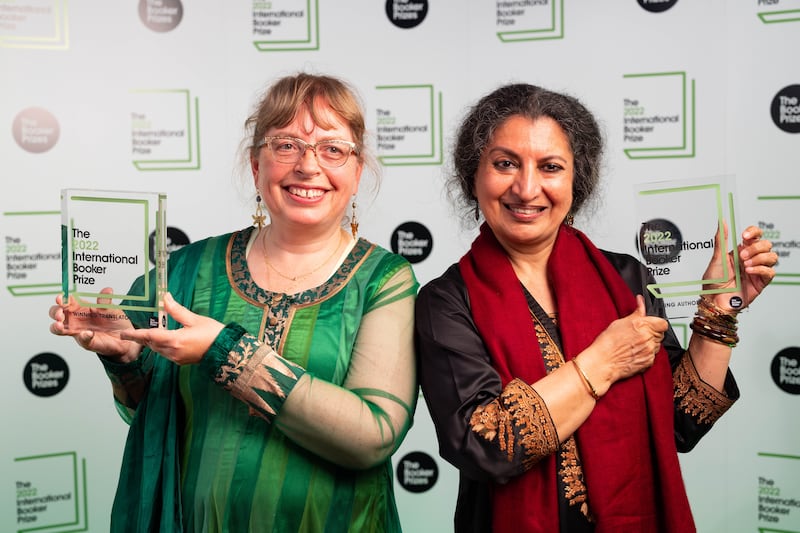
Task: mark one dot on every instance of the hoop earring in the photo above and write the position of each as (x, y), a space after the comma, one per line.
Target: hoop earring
(259, 217)
(354, 221)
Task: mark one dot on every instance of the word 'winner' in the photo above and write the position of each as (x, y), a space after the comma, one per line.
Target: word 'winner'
(88, 262)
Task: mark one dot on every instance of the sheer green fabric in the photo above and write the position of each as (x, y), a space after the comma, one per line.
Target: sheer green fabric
(313, 453)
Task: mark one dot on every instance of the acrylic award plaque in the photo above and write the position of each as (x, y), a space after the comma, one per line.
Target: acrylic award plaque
(678, 223)
(114, 257)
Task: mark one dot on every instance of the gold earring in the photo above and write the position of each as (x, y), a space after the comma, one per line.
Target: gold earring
(259, 217)
(353, 221)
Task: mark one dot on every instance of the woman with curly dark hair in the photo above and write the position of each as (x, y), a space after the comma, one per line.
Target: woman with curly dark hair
(556, 387)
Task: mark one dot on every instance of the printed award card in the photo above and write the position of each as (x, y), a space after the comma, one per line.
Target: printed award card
(114, 257)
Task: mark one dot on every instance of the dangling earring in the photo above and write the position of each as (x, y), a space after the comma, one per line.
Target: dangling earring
(259, 217)
(570, 220)
(477, 212)
(353, 221)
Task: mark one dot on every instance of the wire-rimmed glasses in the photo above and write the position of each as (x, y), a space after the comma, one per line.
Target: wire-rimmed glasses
(330, 153)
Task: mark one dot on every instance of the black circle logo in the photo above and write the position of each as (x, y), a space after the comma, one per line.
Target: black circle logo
(413, 241)
(659, 241)
(406, 13)
(785, 109)
(785, 370)
(161, 15)
(417, 472)
(657, 6)
(175, 238)
(46, 374)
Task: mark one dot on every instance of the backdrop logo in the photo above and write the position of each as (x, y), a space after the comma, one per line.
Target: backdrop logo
(176, 239)
(657, 6)
(413, 241)
(785, 109)
(659, 241)
(161, 15)
(46, 374)
(406, 13)
(785, 370)
(417, 472)
(35, 130)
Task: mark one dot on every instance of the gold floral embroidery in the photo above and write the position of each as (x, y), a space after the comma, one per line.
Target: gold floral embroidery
(255, 374)
(572, 475)
(696, 397)
(552, 356)
(490, 420)
(521, 407)
(570, 468)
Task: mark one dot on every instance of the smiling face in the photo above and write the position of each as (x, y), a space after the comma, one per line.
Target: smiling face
(304, 195)
(524, 182)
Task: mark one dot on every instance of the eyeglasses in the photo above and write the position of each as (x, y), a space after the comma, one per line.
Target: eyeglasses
(329, 153)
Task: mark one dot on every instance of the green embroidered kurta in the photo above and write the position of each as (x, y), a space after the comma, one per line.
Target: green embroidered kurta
(293, 442)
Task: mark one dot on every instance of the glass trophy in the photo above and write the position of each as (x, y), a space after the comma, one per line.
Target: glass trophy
(678, 223)
(114, 258)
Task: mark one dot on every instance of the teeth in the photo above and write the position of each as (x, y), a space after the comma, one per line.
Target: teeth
(306, 193)
(526, 210)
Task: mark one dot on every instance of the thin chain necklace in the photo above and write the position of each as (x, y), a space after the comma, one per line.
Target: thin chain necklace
(299, 277)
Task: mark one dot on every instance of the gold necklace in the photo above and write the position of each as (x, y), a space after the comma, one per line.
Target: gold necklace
(299, 277)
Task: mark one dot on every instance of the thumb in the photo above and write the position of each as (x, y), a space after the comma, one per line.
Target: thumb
(641, 307)
(720, 246)
(182, 315)
(85, 337)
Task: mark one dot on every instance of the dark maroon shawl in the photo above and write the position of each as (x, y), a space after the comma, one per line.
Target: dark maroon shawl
(627, 445)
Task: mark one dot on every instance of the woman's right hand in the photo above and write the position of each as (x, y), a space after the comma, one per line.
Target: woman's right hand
(627, 347)
(96, 330)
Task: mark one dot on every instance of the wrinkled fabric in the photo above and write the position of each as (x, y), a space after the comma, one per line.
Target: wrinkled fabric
(196, 458)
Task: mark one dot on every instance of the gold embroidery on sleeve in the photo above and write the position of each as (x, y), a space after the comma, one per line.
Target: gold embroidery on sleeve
(252, 383)
(696, 397)
(490, 421)
(521, 407)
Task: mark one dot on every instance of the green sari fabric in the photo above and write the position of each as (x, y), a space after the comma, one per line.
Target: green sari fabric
(197, 459)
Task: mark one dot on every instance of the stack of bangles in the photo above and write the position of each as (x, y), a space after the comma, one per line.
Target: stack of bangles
(714, 323)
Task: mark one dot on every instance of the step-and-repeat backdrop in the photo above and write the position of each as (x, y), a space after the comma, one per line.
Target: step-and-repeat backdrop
(151, 96)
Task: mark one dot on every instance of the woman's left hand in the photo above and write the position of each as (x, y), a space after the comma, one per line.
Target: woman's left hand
(757, 261)
(185, 345)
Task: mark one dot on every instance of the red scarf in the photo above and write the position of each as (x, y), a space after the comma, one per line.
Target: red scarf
(627, 445)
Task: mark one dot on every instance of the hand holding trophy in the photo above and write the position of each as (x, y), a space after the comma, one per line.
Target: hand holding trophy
(111, 241)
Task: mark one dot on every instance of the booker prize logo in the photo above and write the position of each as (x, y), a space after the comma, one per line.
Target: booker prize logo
(657, 6)
(785, 370)
(406, 14)
(161, 15)
(413, 241)
(785, 109)
(417, 472)
(46, 374)
(176, 239)
(660, 241)
(35, 130)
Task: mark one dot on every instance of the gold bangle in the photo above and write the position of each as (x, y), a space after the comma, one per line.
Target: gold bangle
(585, 380)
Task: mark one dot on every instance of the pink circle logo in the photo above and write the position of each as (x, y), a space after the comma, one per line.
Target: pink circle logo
(161, 15)
(35, 129)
